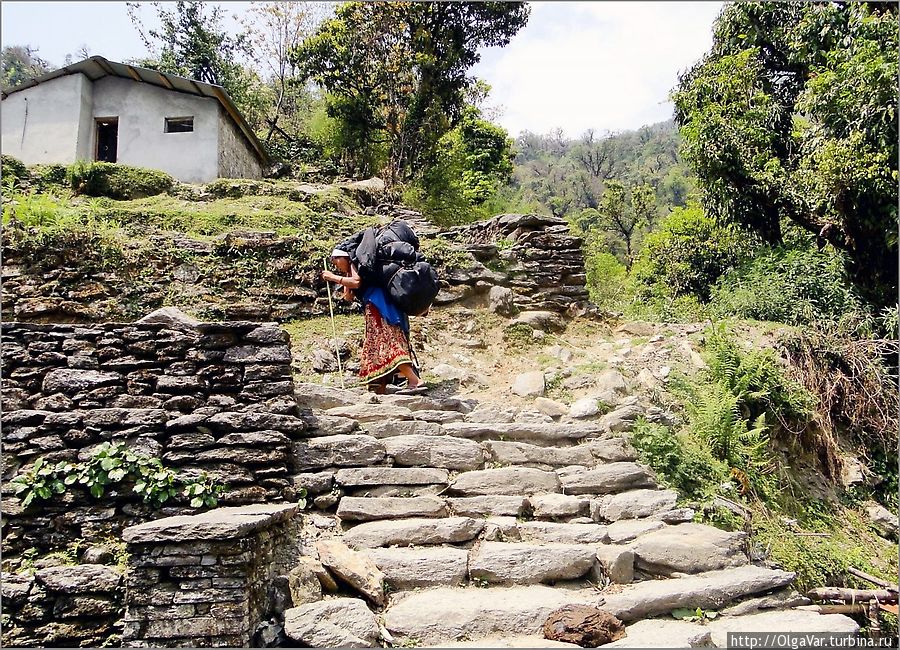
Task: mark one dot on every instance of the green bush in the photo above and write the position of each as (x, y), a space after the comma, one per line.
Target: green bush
(117, 181)
(50, 176)
(606, 279)
(687, 254)
(795, 286)
(13, 168)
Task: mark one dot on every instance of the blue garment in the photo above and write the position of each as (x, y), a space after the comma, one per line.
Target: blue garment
(386, 307)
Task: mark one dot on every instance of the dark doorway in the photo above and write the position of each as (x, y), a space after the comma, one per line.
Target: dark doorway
(107, 139)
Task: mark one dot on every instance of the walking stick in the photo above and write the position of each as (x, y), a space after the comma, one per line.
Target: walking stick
(337, 350)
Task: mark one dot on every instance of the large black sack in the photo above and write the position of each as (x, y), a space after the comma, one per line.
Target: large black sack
(413, 288)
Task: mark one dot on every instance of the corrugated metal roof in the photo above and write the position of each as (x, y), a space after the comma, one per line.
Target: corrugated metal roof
(96, 67)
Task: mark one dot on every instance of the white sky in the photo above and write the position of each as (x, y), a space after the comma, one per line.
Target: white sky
(576, 65)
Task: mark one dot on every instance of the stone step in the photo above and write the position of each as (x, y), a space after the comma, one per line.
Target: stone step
(488, 506)
(319, 424)
(534, 641)
(417, 531)
(793, 621)
(710, 590)
(390, 427)
(524, 563)
(633, 504)
(589, 453)
(376, 508)
(625, 530)
(662, 633)
(425, 403)
(378, 476)
(531, 432)
(409, 568)
(689, 548)
(371, 412)
(605, 479)
(337, 450)
(447, 452)
(445, 614)
(552, 532)
(505, 480)
(558, 506)
(316, 396)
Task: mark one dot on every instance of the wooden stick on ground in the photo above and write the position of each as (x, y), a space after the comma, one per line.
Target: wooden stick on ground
(870, 578)
(852, 595)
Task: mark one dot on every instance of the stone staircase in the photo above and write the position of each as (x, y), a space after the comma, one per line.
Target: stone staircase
(484, 520)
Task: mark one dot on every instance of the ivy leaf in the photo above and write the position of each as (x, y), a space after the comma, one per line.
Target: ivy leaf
(196, 502)
(117, 474)
(97, 490)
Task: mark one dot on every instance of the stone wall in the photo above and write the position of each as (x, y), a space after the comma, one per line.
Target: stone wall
(204, 397)
(535, 256)
(208, 580)
(62, 606)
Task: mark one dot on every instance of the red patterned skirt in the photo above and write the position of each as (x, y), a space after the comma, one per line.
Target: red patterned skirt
(385, 348)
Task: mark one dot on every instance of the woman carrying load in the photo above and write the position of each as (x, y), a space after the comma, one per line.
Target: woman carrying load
(386, 349)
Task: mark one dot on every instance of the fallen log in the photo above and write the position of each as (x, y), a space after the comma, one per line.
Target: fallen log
(858, 608)
(868, 577)
(852, 595)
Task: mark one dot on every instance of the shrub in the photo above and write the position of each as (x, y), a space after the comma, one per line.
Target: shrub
(13, 168)
(687, 254)
(795, 286)
(50, 176)
(117, 181)
(606, 279)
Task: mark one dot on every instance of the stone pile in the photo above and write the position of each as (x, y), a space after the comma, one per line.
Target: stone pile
(208, 580)
(62, 606)
(535, 256)
(203, 397)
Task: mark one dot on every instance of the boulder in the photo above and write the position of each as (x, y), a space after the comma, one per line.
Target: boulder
(550, 407)
(689, 548)
(882, 520)
(171, 317)
(622, 418)
(584, 625)
(501, 300)
(615, 564)
(609, 386)
(304, 585)
(542, 320)
(333, 623)
(356, 569)
(584, 408)
(529, 384)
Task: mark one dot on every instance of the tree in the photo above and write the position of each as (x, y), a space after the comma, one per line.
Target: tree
(597, 155)
(399, 68)
(274, 30)
(20, 63)
(792, 115)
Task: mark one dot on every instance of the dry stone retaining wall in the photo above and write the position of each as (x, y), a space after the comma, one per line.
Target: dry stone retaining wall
(209, 397)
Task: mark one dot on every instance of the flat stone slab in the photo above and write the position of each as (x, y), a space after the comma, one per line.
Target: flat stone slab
(662, 633)
(435, 451)
(626, 530)
(355, 568)
(216, 524)
(522, 431)
(523, 563)
(83, 578)
(332, 623)
(523, 453)
(328, 451)
(391, 476)
(558, 506)
(444, 614)
(325, 397)
(505, 480)
(632, 504)
(705, 590)
(612, 449)
(371, 412)
(487, 506)
(548, 531)
(408, 568)
(788, 620)
(408, 532)
(389, 428)
(689, 548)
(375, 508)
(611, 477)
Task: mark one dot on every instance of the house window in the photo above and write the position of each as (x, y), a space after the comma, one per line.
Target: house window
(179, 124)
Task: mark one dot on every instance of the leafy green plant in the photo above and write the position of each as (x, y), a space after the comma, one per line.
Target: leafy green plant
(13, 169)
(117, 181)
(697, 615)
(111, 465)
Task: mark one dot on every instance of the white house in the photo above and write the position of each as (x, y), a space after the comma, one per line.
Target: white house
(103, 110)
